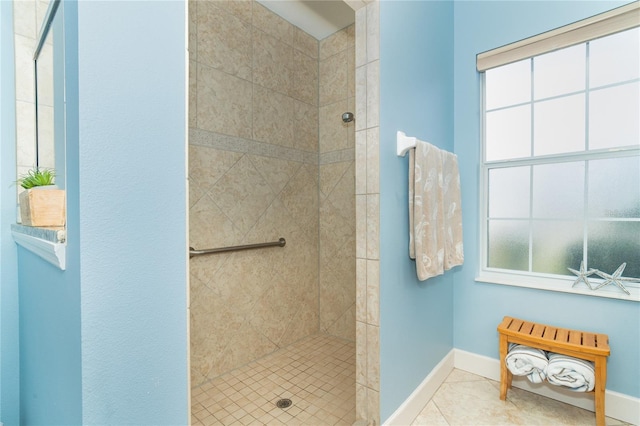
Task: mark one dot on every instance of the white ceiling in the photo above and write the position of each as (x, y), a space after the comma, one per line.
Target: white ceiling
(320, 18)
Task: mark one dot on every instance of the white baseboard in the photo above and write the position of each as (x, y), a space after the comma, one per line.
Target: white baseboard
(617, 405)
(411, 407)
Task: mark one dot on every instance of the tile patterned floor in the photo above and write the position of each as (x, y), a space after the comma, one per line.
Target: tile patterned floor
(316, 373)
(467, 399)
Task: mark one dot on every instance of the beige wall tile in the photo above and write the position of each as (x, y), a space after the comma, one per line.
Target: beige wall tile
(361, 290)
(333, 78)
(304, 78)
(277, 172)
(337, 42)
(361, 36)
(193, 30)
(361, 162)
(209, 227)
(373, 160)
(223, 41)
(351, 73)
(272, 117)
(301, 203)
(361, 98)
(373, 357)
(242, 9)
(24, 68)
(272, 60)
(272, 24)
(361, 354)
(373, 406)
(373, 31)
(373, 226)
(223, 103)
(207, 165)
(24, 18)
(193, 92)
(333, 132)
(373, 291)
(361, 226)
(242, 194)
(25, 134)
(373, 94)
(305, 43)
(330, 175)
(305, 126)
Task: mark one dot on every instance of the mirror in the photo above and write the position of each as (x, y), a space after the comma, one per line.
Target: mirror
(49, 93)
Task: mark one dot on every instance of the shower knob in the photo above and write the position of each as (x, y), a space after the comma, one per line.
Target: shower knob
(347, 117)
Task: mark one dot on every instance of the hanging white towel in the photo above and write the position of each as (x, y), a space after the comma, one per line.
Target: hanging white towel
(526, 361)
(435, 217)
(576, 374)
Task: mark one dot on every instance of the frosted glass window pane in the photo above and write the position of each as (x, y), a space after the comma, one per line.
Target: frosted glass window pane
(614, 187)
(559, 72)
(612, 243)
(508, 85)
(508, 133)
(559, 126)
(509, 192)
(509, 244)
(614, 116)
(556, 246)
(614, 58)
(558, 190)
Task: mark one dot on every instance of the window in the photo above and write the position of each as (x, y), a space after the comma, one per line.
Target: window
(561, 164)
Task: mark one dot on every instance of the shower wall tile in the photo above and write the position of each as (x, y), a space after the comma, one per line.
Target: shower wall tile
(193, 31)
(361, 36)
(277, 172)
(373, 31)
(351, 73)
(334, 78)
(305, 43)
(208, 165)
(242, 9)
(272, 117)
(373, 290)
(361, 159)
(305, 126)
(272, 24)
(333, 132)
(373, 94)
(373, 160)
(304, 78)
(24, 19)
(337, 42)
(361, 291)
(223, 41)
(243, 194)
(193, 90)
(223, 103)
(361, 98)
(272, 60)
(330, 175)
(367, 96)
(301, 203)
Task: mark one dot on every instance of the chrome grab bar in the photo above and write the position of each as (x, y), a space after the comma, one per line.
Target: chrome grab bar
(193, 252)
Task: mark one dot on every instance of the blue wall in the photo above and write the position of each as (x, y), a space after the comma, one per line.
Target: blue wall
(416, 96)
(479, 307)
(132, 205)
(9, 340)
(105, 342)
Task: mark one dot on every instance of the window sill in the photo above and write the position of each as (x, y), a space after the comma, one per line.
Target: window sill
(563, 285)
(48, 243)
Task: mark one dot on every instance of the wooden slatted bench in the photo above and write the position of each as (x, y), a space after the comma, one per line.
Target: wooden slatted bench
(578, 344)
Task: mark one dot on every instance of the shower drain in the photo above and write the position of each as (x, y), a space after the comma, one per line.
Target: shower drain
(284, 403)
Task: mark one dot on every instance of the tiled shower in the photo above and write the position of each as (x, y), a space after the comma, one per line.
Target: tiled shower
(269, 157)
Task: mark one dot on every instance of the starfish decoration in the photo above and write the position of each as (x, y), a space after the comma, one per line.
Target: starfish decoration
(616, 278)
(582, 275)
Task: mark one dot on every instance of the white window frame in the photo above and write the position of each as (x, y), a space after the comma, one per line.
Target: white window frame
(616, 20)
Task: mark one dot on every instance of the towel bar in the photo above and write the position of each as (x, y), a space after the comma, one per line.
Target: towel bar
(193, 252)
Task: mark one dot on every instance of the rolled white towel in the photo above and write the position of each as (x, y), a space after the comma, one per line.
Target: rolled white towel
(576, 374)
(525, 361)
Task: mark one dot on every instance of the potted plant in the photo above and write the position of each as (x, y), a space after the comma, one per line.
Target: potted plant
(42, 203)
